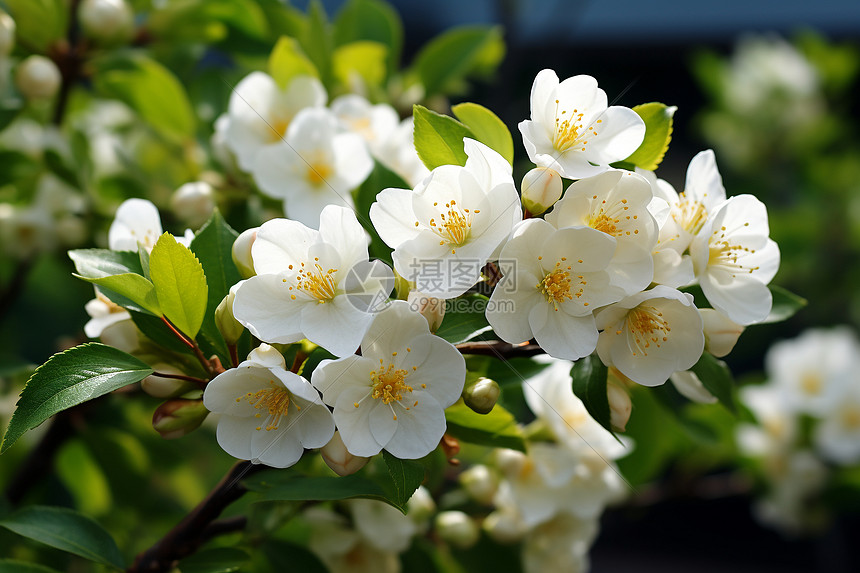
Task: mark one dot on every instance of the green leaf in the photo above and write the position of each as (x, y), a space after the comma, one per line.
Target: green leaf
(439, 138)
(407, 475)
(317, 40)
(216, 560)
(589, 384)
(66, 530)
(498, 429)
(716, 378)
(365, 59)
(96, 263)
(380, 178)
(287, 61)
(371, 20)
(82, 476)
(785, 304)
(658, 120)
(179, 283)
(213, 246)
(68, 379)
(465, 318)
(487, 127)
(304, 488)
(13, 566)
(153, 92)
(135, 292)
(444, 63)
(38, 22)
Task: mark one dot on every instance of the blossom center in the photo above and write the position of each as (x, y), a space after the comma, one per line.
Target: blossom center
(569, 130)
(454, 226)
(318, 173)
(612, 218)
(724, 253)
(690, 214)
(557, 285)
(389, 384)
(811, 383)
(851, 418)
(274, 400)
(318, 283)
(112, 306)
(278, 129)
(648, 328)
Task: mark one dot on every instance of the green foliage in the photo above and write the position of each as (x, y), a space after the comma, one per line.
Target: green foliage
(589, 376)
(439, 138)
(498, 429)
(785, 304)
(371, 20)
(658, 120)
(95, 263)
(445, 62)
(13, 566)
(317, 40)
(716, 378)
(66, 530)
(406, 475)
(215, 560)
(180, 284)
(39, 22)
(380, 178)
(459, 326)
(303, 488)
(134, 292)
(287, 61)
(487, 128)
(364, 59)
(68, 379)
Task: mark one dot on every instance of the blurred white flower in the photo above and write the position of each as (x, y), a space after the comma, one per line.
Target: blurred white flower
(7, 34)
(398, 154)
(106, 20)
(560, 544)
(374, 123)
(37, 77)
(193, 202)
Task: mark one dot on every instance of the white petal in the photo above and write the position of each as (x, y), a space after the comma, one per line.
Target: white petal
(619, 133)
(332, 377)
(340, 228)
(264, 306)
(354, 423)
(562, 335)
(336, 325)
(704, 182)
(393, 218)
(234, 436)
(136, 221)
(419, 430)
(391, 329)
(510, 304)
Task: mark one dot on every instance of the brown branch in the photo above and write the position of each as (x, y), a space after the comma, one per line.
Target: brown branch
(210, 366)
(68, 54)
(499, 349)
(198, 526)
(224, 527)
(199, 381)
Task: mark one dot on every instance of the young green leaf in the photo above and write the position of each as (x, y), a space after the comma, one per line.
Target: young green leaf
(785, 304)
(407, 475)
(39, 21)
(366, 59)
(132, 291)
(498, 429)
(716, 378)
(372, 20)
(317, 40)
(68, 379)
(67, 530)
(380, 178)
(445, 62)
(439, 138)
(487, 127)
(658, 120)
(302, 488)
(179, 283)
(589, 384)
(287, 61)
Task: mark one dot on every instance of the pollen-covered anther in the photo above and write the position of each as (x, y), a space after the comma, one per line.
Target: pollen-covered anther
(455, 225)
(690, 214)
(318, 283)
(274, 400)
(648, 328)
(389, 384)
(555, 286)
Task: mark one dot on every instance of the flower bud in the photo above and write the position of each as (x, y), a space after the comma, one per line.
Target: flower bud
(721, 333)
(242, 252)
(338, 458)
(541, 189)
(420, 506)
(620, 406)
(457, 528)
(37, 77)
(106, 21)
(480, 483)
(481, 394)
(228, 326)
(193, 203)
(510, 462)
(431, 308)
(178, 417)
(160, 387)
(504, 527)
(7, 34)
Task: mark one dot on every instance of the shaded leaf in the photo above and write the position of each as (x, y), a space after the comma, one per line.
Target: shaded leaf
(215, 560)
(589, 384)
(371, 20)
(13, 566)
(407, 475)
(716, 378)
(94, 263)
(785, 304)
(444, 62)
(439, 138)
(498, 429)
(465, 318)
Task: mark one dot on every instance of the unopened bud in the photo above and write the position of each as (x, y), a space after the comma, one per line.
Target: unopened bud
(620, 406)
(420, 506)
(193, 202)
(228, 326)
(7, 34)
(242, 252)
(510, 462)
(178, 417)
(541, 189)
(431, 308)
(457, 528)
(106, 21)
(481, 394)
(721, 333)
(37, 77)
(338, 458)
(480, 483)
(504, 527)
(161, 387)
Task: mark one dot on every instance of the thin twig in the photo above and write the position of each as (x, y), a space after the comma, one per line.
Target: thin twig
(205, 362)
(499, 349)
(199, 381)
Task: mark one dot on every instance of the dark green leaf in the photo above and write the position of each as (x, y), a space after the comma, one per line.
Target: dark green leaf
(304, 488)
(407, 475)
(658, 120)
(439, 138)
(444, 63)
(465, 318)
(380, 178)
(68, 379)
(66, 530)
(180, 284)
(371, 20)
(317, 40)
(285, 556)
(498, 429)
(785, 304)
(12, 566)
(589, 384)
(154, 328)
(487, 127)
(716, 378)
(216, 560)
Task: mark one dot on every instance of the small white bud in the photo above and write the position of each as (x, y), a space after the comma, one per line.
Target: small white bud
(178, 417)
(420, 506)
(242, 252)
(481, 394)
(338, 458)
(504, 527)
(230, 328)
(431, 308)
(620, 406)
(106, 21)
(457, 528)
(541, 189)
(721, 333)
(480, 483)
(37, 77)
(510, 462)
(193, 203)
(7, 34)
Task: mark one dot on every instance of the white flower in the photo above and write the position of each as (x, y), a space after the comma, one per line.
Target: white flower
(260, 112)
(193, 202)
(346, 550)
(688, 385)
(137, 222)
(721, 333)
(776, 431)
(317, 164)
(312, 284)
(454, 221)
(615, 203)
(651, 335)
(672, 267)
(553, 281)
(103, 313)
(800, 480)
(573, 131)
(560, 544)
(393, 396)
(374, 123)
(268, 414)
(734, 260)
(398, 154)
(381, 525)
(837, 435)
